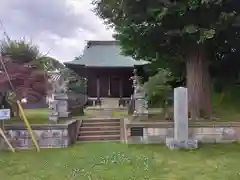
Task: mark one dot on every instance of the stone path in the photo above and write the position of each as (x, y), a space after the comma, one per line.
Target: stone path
(108, 107)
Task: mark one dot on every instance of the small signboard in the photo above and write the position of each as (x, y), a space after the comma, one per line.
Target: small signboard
(5, 114)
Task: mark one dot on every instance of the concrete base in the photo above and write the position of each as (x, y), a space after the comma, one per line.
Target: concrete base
(140, 117)
(47, 135)
(175, 144)
(53, 118)
(63, 114)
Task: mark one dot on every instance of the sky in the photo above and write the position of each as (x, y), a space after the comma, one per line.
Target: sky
(58, 27)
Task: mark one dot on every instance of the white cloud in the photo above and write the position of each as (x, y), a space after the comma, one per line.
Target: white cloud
(59, 26)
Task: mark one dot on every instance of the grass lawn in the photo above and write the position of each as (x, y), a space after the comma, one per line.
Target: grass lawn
(98, 113)
(115, 161)
(34, 116)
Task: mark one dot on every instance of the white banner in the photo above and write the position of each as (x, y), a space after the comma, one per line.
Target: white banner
(5, 114)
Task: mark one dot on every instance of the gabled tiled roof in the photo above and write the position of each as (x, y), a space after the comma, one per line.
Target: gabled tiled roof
(105, 54)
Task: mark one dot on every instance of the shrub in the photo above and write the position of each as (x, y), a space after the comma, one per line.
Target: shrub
(158, 89)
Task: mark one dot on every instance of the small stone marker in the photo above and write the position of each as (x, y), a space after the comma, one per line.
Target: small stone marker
(180, 139)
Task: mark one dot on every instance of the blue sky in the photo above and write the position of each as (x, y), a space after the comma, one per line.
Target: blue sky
(61, 26)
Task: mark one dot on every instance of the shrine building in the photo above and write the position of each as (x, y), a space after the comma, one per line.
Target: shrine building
(108, 72)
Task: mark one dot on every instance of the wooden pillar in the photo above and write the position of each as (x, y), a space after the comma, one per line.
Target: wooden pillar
(109, 86)
(87, 86)
(98, 87)
(121, 87)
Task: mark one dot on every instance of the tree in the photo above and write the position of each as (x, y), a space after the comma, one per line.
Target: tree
(76, 84)
(197, 31)
(172, 64)
(28, 81)
(20, 51)
(157, 87)
(26, 68)
(23, 51)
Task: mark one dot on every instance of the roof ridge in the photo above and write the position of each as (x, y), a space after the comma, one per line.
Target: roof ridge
(102, 42)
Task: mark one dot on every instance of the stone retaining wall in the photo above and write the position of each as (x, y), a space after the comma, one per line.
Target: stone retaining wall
(156, 132)
(47, 136)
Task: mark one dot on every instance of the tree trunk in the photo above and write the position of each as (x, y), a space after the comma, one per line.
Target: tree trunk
(198, 84)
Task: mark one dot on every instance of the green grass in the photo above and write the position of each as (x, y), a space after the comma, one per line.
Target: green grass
(113, 161)
(34, 116)
(119, 113)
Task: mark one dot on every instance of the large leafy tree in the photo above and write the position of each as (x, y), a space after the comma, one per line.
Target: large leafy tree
(20, 51)
(197, 31)
(26, 68)
(23, 51)
(27, 81)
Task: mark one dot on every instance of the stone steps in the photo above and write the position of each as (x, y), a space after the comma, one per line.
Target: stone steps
(100, 124)
(100, 129)
(97, 120)
(97, 141)
(108, 132)
(99, 137)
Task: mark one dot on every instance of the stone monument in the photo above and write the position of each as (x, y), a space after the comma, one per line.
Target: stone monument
(57, 98)
(140, 103)
(53, 114)
(181, 139)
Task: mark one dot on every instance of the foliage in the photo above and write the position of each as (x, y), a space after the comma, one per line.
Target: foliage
(76, 91)
(27, 81)
(26, 67)
(23, 51)
(76, 83)
(199, 32)
(177, 69)
(146, 28)
(19, 51)
(223, 81)
(157, 87)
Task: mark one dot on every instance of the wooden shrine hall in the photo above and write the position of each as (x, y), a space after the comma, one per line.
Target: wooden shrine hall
(108, 72)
